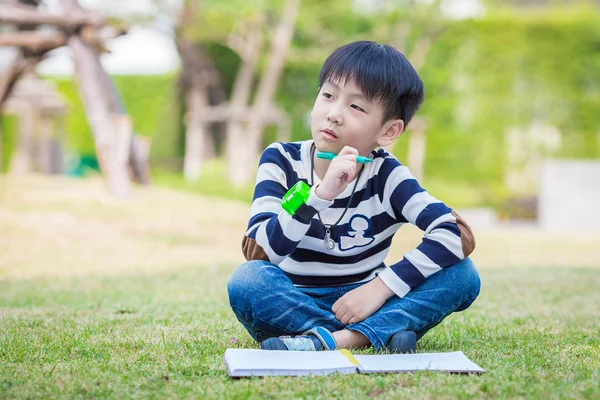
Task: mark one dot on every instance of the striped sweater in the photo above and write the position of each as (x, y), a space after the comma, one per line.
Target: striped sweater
(387, 196)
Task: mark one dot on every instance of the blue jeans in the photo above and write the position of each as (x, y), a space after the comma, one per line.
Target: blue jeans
(268, 304)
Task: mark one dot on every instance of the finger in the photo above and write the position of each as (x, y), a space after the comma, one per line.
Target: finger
(355, 319)
(340, 314)
(335, 306)
(347, 157)
(346, 318)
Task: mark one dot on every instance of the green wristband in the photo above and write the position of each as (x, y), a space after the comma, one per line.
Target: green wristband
(295, 197)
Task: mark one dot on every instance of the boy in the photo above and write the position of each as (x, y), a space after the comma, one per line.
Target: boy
(315, 278)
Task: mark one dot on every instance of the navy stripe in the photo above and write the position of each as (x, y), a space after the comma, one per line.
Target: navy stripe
(361, 195)
(273, 156)
(260, 217)
(269, 188)
(403, 192)
(438, 253)
(280, 243)
(293, 149)
(252, 233)
(431, 213)
(449, 226)
(384, 172)
(408, 273)
(380, 153)
(307, 280)
(307, 255)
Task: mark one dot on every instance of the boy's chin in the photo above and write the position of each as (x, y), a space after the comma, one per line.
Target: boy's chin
(324, 145)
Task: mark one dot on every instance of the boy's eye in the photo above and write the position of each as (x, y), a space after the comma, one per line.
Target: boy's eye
(357, 107)
(327, 95)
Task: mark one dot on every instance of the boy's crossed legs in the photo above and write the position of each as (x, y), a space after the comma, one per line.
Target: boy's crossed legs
(268, 305)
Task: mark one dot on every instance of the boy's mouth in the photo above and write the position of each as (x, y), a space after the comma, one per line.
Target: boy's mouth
(328, 134)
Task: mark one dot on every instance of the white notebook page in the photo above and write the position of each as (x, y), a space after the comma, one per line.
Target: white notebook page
(448, 362)
(250, 362)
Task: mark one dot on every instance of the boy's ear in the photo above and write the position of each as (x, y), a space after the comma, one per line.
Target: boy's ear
(390, 132)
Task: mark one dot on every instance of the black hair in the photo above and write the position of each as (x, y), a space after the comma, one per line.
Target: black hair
(381, 72)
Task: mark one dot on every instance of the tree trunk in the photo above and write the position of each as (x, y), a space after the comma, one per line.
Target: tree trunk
(266, 90)
(234, 136)
(196, 134)
(21, 162)
(140, 170)
(88, 72)
(43, 153)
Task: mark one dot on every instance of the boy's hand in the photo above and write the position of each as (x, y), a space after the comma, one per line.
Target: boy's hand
(340, 173)
(362, 302)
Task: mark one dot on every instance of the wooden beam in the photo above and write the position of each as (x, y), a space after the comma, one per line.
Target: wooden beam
(11, 76)
(33, 40)
(32, 16)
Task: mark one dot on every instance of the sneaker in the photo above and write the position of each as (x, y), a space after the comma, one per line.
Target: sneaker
(314, 339)
(403, 342)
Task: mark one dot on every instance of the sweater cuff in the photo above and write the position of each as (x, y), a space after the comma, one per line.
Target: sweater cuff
(392, 281)
(316, 202)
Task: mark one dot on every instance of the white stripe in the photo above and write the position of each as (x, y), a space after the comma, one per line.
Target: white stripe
(270, 172)
(449, 240)
(369, 208)
(263, 241)
(416, 204)
(422, 262)
(311, 243)
(315, 201)
(254, 227)
(397, 176)
(325, 269)
(440, 220)
(392, 281)
(297, 166)
(292, 229)
(265, 204)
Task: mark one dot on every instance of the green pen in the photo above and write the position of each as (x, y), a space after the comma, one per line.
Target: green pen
(330, 156)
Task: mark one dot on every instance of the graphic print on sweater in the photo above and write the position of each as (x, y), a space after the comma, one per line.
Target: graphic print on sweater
(356, 235)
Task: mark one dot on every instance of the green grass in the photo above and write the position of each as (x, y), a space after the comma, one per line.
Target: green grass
(534, 330)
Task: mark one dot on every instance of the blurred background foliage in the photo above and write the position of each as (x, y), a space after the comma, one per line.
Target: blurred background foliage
(509, 69)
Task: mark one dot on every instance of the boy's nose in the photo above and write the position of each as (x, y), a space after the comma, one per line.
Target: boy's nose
(334, 117)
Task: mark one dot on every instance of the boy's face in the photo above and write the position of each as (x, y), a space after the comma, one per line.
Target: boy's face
(342, 116)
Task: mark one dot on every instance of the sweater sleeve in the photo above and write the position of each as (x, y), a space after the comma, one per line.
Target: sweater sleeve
(447, 238)
(272, 233)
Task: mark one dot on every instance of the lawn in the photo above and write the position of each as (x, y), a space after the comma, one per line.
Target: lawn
(101, 298)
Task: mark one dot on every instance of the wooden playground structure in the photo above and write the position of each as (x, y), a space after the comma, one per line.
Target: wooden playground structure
(122, 156)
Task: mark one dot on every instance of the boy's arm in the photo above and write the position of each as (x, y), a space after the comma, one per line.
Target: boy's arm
(448, 239)
(272, 233)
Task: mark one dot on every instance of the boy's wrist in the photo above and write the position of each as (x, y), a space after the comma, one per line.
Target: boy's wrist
(319, 192)
(382, 288)
(316, 201)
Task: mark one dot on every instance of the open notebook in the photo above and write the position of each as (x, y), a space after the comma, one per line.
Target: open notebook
(246, 362)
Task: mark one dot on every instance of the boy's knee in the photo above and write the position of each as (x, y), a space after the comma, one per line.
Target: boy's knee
(472, 277)
(469, 278)
(243, 277)
(247, 278)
